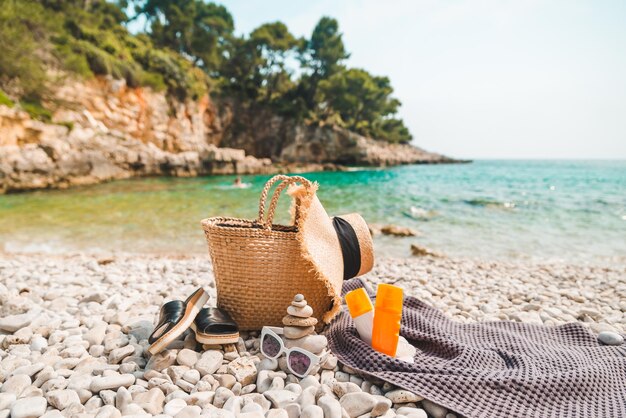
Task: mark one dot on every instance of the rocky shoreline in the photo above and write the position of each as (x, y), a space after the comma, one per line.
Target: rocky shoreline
(73, 336)
(102, 130)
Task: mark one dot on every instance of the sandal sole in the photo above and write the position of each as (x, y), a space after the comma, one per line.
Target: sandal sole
(191, 311)
(215, 339)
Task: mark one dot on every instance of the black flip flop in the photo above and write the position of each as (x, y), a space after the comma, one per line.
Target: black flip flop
(175, 318)
(214, 326)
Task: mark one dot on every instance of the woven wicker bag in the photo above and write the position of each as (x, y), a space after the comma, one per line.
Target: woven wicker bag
(260, 266)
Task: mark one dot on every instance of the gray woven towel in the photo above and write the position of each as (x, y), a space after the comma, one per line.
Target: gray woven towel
(494, 369)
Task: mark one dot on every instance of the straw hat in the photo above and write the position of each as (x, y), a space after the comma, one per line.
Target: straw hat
(339, 248)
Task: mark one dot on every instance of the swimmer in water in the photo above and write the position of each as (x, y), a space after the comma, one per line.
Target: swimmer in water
(239, 184)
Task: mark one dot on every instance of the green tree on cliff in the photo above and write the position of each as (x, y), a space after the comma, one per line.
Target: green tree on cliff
(325, 52)
(363, 103)
(321, 56)
(23, 28)
(256, 69)
(193, 28)
(274, 43)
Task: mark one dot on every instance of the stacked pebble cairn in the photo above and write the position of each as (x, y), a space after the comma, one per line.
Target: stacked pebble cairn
(299, 321)
(299, 327)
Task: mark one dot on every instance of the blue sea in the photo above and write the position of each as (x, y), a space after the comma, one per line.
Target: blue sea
(573, 211)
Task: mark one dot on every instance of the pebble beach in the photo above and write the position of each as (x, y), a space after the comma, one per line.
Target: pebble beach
(74, 329)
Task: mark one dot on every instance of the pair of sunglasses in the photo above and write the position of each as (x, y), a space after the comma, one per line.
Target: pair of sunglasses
(300, 362)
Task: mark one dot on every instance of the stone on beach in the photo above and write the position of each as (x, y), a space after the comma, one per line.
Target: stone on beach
(243, 369)
(209, 362)
(357, 403)
(383, 405)
(192, 376)
(300, 312)
(280, 397)
(527, 317)
(38, 343)
(610, 338)
(16, 384)
(420, 251)
(293, 332)
(402, 396)
(313, 343)
(108, 411)
(61, 399)
(342, 388)
(312, 411)
(123, 398)
(412, 412)
(276, 413)
(222, 394)
(118, 354)
(187, 357)
(95, 336)
(434, 410)
(111, 382)
(398, 231)
(12, 323)
(330, 406)
(151, 401)
(174, 406)
(298, 300)
(6, 400)
(162, 360)
(29, 407)
(189, 411)
(299, 322)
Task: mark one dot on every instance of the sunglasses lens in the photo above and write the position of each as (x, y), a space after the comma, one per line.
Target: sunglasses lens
(270, 346)
(299, 362)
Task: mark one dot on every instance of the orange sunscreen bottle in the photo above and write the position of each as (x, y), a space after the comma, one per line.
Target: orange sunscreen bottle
(362, 312)
(387, 317)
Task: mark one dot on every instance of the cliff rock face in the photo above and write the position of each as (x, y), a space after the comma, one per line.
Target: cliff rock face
(338, 145)
(104, 130)
(109, 131)
(262, 134)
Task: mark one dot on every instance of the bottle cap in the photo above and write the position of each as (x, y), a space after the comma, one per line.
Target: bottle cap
(358, 302)
(389, 297)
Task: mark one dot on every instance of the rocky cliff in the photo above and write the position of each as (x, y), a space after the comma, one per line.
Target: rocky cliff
(103, 130)
(107, 131)
(265, 135)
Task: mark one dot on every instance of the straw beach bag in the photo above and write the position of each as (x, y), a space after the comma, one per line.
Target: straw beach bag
(260, 266)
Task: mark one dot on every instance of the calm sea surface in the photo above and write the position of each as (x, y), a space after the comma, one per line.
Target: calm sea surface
(569, 210)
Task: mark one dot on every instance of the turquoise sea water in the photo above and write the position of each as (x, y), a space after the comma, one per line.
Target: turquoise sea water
(570, 210)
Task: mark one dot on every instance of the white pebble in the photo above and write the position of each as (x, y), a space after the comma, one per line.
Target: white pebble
(29, 407)
(610, 338)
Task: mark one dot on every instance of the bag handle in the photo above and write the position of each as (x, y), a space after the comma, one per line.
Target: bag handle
(285, 181)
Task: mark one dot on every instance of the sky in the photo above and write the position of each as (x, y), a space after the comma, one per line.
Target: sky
(485, 78)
